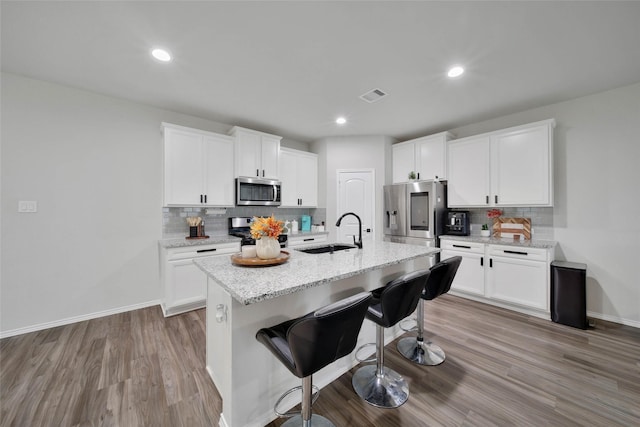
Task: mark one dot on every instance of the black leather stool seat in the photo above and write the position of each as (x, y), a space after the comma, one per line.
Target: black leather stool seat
(378, 385)
(439, 282)
(309, 343)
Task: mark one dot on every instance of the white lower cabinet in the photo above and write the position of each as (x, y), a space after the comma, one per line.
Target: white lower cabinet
(470, 275)
(514, 277)
(184, 284)
(294, 240)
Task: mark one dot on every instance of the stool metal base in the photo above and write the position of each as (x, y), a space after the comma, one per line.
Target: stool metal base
(389, 390)
(316, 421)
(420, 352)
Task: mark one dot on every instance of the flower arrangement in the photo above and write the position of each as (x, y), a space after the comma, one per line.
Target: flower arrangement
(266, 227)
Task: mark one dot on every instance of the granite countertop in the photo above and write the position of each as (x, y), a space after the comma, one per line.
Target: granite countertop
(533, 243)
(182, 242)
(250, 285)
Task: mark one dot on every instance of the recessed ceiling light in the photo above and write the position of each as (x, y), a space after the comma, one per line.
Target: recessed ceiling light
(455, 71)
(341, 120)
(161, 55)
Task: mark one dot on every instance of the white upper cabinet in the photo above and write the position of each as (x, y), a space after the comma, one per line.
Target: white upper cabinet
(299, 175)
(510, 167)
(198, 167)
(426, 156)
(522, 166)
(256, 153)
(469, 175)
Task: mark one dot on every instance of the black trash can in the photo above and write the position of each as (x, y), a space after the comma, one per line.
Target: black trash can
(569, 293)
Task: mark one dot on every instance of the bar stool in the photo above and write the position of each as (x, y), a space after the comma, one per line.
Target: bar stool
(379, 385)
(439, 282)
(309, 343)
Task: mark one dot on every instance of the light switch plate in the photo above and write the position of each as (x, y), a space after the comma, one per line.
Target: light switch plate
(27, 206)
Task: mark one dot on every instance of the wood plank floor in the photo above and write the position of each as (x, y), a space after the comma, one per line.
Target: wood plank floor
(502, 368)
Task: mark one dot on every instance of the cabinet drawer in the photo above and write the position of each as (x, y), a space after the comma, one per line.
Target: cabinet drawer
(305, 240)
(518, 252)
(174, 254)
(457, 245)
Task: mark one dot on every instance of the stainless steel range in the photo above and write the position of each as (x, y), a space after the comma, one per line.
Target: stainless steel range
(240, 226)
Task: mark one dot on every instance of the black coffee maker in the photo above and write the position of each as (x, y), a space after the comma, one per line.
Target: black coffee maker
(457, 223)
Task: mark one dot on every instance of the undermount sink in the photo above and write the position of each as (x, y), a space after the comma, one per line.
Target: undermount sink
(326, 248)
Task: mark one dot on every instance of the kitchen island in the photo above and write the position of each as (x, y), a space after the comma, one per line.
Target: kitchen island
(241, 300)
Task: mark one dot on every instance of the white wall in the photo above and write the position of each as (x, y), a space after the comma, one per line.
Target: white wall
(597, 198)
(351, 152)
(94, 165)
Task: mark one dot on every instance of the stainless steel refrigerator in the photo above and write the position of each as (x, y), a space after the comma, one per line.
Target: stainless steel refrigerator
(415, 212)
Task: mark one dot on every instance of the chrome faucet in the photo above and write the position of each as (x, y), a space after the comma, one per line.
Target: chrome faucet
(359, 242)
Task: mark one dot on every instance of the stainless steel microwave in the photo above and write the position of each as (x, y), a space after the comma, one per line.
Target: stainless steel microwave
(257, 192)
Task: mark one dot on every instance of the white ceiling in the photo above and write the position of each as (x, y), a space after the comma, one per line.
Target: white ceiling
(291, 68)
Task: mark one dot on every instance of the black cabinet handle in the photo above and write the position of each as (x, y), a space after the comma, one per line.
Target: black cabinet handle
(418, 175)
(201, 198)
(205, 198)
(309, 240)
(263, 173)
(462, 246)
(516, 252)
(207, 250)
(491, 262)
(257, 172)
(496, 198)
(487, 198)
(481, 261)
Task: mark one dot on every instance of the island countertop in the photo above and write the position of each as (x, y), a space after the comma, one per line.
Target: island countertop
(249, 285)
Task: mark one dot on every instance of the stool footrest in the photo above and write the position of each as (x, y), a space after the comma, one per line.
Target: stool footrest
(369, 344)
(316, 393)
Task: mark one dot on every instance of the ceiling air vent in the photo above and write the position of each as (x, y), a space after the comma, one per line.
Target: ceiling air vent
(373, 95)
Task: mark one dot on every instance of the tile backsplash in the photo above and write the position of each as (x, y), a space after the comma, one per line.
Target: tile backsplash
(541, 219)
(174, 220)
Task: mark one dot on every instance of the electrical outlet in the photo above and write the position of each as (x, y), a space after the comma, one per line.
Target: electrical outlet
(27, 206)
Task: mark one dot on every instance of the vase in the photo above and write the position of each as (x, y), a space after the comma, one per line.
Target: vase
(267, 248)
(485, 233)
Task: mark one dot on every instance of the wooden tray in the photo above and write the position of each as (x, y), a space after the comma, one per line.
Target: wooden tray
(512, 227)
(196, 237)
(258, 262)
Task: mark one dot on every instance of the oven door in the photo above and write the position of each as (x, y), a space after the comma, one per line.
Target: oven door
(257, 192)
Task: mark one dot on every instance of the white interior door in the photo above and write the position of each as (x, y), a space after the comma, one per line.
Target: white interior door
(355, 194)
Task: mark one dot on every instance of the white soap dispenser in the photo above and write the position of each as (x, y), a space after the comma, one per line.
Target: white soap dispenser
(294, 227)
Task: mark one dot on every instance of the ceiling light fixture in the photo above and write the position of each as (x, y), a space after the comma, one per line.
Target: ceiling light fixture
(455, 71)
(161, 55)
(341, 120)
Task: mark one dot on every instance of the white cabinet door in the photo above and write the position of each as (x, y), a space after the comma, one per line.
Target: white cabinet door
(470, 275)
(518, 281)
(521, 171)
(288, 175)
(431, 157)
(183, 168)
(189, 283)
(298, 172)
(219, 184)
(248, 154)
(469, 172)
(403, 161)
(270, 151)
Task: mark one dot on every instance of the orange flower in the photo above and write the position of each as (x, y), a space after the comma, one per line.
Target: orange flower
(266, 227)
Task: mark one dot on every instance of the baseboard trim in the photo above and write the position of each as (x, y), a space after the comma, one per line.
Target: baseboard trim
(75, 319)
(614, 319)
